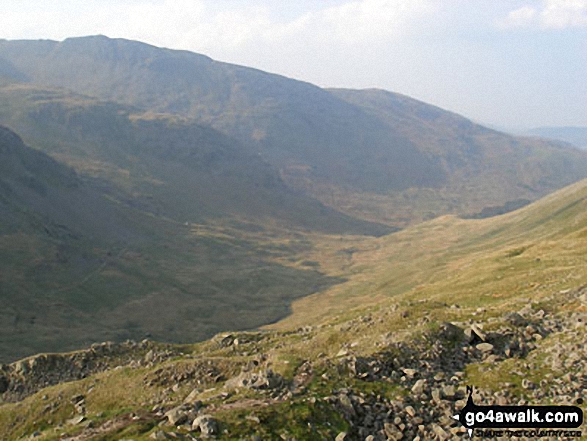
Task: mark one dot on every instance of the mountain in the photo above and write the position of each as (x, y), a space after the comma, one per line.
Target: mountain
(498, 304)
(54, 230)
(573, 135)
(371, 154)
(163, 164)
(83, 261)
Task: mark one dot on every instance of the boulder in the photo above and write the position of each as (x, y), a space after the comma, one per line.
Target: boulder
(475, 335)
(263, 380)
(418, 387)
(205, 424)
(451, 332)
(176, 416)
(485, 347)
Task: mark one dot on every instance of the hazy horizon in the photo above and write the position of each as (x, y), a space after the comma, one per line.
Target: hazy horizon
(513, 65)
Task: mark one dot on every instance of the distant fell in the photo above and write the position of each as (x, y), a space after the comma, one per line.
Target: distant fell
(573, 135)
(372, 154)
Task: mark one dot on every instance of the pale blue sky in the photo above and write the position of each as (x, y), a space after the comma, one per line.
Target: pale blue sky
(512, 63)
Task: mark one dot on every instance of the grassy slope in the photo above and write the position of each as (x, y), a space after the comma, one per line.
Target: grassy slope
(487, 267)
(522, 255)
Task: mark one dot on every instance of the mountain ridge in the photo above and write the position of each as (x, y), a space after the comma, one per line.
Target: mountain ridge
(335, 146)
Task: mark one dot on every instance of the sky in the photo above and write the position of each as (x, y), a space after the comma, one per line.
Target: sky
(511, 64)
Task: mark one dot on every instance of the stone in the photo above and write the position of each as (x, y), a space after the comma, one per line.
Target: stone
(76, 421)
(342, 353)
(392, 432)
(256, 380)
(192, 399)
(3, 384)
(149, 356)
(206, 424)
(439, 376)
(441, 434)
(410, 411)
(451, 332)
(418, 387)
(342, 436)
(475, 335)
(411, 373)
(346, 404)
(485, 347)
(253, 418)
(515, 319)
(176, 416)
(449, 392)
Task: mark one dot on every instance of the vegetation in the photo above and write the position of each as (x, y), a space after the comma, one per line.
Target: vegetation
(162, 194)
(406, 284)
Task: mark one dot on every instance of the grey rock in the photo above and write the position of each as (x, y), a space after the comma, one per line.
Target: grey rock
(449, 392)
(206, 424)
(176, 416)
(346, 404)
(410, 411)
(451, 332)
(263, 380)
(516, 319)
(485, 347)
(475, 335)
(440, 433)
(192, 399)
(77, 420)
(392, 432)
(418, 387)
(411, 373)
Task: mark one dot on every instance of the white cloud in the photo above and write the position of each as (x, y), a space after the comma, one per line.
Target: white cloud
(521, 17)
(370, 19)
(558, 14)
(355, 22)
(551, 14)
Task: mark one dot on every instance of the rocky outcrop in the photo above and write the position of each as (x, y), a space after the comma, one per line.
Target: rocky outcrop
(432, 370)
(25, 377)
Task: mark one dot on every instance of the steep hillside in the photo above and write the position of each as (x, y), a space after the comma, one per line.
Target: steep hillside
(499, 304)
(54, 231)
(371, 154)
(79, 263)
(290, 122)
(526, 253)
(163, 164)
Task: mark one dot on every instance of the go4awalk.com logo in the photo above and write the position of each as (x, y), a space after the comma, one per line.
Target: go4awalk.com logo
(519, 421)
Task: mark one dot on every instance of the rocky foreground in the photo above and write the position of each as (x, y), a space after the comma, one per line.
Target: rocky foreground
(236, 386)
